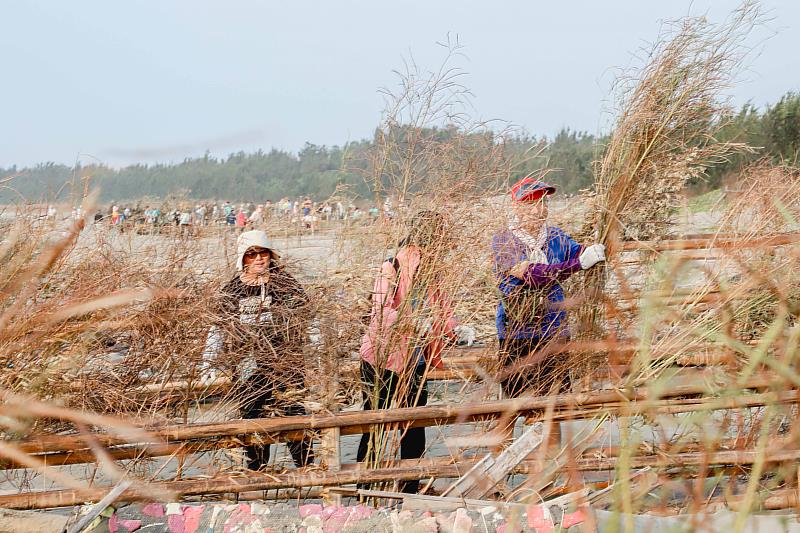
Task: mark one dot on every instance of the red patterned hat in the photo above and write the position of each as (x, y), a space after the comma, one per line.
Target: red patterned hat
(530, 190)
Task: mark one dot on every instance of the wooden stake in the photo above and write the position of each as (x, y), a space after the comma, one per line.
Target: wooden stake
(491, 470)
(330, 456)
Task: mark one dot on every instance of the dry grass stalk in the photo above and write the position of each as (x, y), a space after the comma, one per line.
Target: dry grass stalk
(61, 334)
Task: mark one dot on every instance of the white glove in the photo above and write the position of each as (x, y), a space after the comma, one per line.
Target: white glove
(592, 255)
(465, 335)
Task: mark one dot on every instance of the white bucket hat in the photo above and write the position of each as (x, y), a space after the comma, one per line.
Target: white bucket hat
(252, 239)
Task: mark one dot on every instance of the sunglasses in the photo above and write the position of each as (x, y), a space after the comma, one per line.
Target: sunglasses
(252, 254)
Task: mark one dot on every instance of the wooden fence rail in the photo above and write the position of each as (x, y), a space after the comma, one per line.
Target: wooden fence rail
(439, 468)
(191, 438)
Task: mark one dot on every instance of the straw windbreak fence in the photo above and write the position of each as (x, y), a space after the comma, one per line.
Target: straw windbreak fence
(68, 342)
(672, 330)
(670, 112)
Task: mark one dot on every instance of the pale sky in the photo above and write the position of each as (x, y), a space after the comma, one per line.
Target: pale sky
(162, 80)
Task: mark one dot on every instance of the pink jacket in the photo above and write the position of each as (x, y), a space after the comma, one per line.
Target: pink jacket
(392, 328)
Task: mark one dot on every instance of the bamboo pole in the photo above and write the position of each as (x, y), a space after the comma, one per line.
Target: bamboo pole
(722, 241)
(194, 438)
(456, 368)
(330, 458)
(62, 458)
(771, 501)
(438, 413)
(405, 470)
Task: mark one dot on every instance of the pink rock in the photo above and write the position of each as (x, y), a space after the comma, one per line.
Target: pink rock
(572, 519)
(239, 517)
(113, 523)
(337, 519)
(309, 509)
(462, 523)
(341, 511)
(191, 516)
(153, 509)
(360, 512)
(539, 519)
(175, 523)
(131, 525)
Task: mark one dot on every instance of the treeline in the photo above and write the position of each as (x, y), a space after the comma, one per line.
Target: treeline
(318, 170)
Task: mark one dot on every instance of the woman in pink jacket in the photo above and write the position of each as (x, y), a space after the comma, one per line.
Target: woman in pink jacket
(410, 322)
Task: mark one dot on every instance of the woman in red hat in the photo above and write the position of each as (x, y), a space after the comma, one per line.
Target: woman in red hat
(531, 257)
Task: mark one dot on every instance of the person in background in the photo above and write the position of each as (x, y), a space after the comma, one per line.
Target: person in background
(185, 222)
(241, 219)
(229, 212)
(262, 320)
(410, 323)
(200, 214)
(156, 214)
(531, 258)
(257, 218)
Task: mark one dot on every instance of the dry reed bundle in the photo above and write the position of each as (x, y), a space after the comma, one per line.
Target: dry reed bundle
(767, 201)
(671, 111)
(46, 324)
(754, 324)
(665, 134)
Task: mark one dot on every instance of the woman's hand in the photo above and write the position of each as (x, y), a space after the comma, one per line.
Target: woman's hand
(518, 270)
(592, 255)
(465, 335)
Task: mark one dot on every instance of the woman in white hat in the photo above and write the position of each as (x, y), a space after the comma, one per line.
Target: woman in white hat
(263, 320)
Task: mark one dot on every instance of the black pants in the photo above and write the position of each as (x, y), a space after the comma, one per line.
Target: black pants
(384, 387)
(260, 389)
(547, 375)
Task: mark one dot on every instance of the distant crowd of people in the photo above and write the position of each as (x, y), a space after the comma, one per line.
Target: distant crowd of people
(303, 212)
